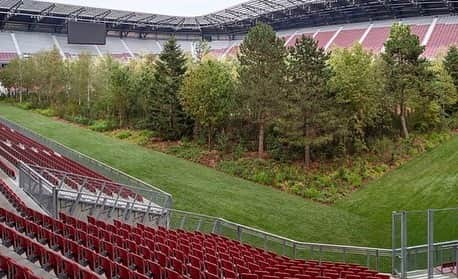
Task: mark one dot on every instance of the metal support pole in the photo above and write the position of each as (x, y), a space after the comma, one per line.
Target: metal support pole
(377, 262)
(404, 245)
(393, 243)
(55, 202)
(239, 233)
(430, 243)
(456, 260)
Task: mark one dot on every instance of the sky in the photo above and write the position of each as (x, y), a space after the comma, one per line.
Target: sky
(167, 7)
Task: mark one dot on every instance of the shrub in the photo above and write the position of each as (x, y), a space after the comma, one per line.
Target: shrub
(123, 134)
(187, 151)
(46, 112)
(25, 105)
(102, 126)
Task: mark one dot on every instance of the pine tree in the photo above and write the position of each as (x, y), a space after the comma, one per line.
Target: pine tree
(451, 64)
(404, 66)
(166, 114)
(262, 74)
(305, 119)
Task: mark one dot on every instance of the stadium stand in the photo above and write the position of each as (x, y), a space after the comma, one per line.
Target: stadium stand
(436, 33)
(7, 49)
(68, 246)
(74, 248)
(373, 35)
(445, 34)
(15, 147)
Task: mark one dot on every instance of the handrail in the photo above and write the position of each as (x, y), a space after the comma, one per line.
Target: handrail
(76, 154)
(217, 223)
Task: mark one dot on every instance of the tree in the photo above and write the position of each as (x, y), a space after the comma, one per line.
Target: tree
(208, 95)
(451, 64)
(262, 74)
(357, 90)
(120, 88)
(437, 101)
(167, 115)
(305, 119)
(80, 85)
(202, 48)
(404, 66)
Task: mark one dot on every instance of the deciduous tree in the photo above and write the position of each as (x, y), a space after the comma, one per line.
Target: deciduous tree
(208, 95)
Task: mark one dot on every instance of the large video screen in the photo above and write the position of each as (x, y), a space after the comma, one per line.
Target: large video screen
(86, 33)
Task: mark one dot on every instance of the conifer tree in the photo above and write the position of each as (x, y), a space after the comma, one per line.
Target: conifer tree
(404, 69)
(166, 114)
(262, 75)
(304, 121)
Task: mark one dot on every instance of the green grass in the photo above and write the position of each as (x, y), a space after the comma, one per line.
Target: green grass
(364, 218)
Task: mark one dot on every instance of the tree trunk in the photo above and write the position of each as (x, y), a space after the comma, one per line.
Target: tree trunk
(307, 159)
(261, 140)
(404, 131)
(209, 138)
(196, 131)
(307, 156)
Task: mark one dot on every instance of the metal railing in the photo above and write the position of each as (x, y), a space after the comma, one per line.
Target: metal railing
(399, 260)
(102, 168)
(424, 240)
(375, 258)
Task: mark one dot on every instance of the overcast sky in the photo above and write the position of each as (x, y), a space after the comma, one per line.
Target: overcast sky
(168, 7)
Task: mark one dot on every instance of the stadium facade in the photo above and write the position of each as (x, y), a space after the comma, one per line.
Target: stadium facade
(27, 27)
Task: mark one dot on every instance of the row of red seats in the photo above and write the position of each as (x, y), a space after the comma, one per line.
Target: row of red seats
(140, 252)
(182, 251)
(75, 255)
(11, 269)
(11, 196)
(7, 170)
(17, 147)
(14, 137)
(43, 245)
(22, 242)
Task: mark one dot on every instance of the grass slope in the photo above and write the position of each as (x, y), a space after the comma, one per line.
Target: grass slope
(428, 181)
(200, 189)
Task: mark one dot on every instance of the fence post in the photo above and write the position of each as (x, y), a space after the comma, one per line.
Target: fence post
(393, 242)
(377, 262)
(404, 245)
(55, 202)
(239, 233)
(430, 243)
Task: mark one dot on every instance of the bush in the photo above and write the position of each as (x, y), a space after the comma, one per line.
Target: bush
(187, 151)
(46, 112)
(25, 105)
(144, 137)
(102, 126)
(123, 134)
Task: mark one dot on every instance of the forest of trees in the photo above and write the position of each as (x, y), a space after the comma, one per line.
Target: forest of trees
(296, 104)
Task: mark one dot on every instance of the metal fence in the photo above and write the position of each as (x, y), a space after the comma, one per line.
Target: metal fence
(161, 197)
(421, 240)
(39, 189)
(375, 258)
(425, 240)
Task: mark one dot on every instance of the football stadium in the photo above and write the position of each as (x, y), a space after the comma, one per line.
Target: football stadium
(273, 139)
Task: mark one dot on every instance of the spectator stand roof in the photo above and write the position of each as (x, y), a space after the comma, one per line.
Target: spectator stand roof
(236, 19)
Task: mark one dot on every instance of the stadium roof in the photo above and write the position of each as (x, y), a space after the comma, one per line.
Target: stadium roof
(279, 13)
